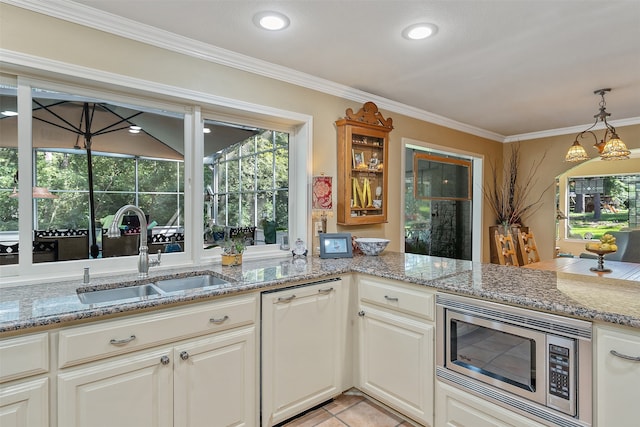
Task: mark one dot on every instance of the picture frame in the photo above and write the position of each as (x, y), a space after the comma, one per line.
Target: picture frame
(358, 159)
(336, 245)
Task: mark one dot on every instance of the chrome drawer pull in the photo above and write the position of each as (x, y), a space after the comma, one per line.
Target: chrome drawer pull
(325, 291)
(281, 299)
(184, 355)
(122, 342)
(165, 360)
(388, 298)
(624, 356)
(222, 319)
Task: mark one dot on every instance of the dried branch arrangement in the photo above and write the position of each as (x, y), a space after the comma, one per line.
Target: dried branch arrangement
(510, 196)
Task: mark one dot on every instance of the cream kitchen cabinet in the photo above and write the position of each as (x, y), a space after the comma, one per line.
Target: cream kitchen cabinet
(457, 408)
(617, 364)
(210, 379)
(303, 348)
(396, 339)
(24, 387)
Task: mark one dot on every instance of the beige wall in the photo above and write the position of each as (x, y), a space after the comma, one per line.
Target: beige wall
(42, 36)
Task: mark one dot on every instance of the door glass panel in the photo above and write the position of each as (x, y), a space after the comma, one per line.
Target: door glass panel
(438, 205)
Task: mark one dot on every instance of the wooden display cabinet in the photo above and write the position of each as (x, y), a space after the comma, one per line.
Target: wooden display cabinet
(363, 139)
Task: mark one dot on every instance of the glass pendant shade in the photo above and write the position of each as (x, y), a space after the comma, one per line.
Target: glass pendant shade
(576, 153)
(615, 149)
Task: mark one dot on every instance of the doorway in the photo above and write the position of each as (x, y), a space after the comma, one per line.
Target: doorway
(438, 202)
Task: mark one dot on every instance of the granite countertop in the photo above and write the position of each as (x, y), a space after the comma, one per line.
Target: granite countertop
(26, 307)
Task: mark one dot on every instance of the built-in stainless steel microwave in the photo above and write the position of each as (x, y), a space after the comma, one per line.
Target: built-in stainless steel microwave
(538, 364)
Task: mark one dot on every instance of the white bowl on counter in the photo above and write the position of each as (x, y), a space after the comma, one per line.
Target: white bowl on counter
(371, 245)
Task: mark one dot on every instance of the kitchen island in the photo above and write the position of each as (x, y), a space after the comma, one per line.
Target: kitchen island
(25, 307)
(238, 342)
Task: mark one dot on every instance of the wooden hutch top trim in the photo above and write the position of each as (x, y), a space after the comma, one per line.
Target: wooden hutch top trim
(368, 115)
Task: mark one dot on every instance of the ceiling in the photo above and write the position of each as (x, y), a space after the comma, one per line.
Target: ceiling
(508, 67)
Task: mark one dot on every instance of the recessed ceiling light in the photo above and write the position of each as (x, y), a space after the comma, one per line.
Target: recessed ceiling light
(206, 130)
(9, 113)
(419, 31)
(134, 129)
(272, 21)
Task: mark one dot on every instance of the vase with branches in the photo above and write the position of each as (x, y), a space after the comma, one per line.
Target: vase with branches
(510, 196)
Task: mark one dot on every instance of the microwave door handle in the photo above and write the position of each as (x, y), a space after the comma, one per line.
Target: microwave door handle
(624, 356)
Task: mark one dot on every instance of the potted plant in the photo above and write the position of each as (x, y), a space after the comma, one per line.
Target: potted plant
(232, 249)
(510, 197)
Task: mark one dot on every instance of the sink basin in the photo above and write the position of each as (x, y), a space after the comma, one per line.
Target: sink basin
(118, 294)
(192, 282)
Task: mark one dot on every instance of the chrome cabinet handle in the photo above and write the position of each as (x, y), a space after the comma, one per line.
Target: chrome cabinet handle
(388, 298)
(184, 355)
(361, 313)
(220, 320)
(165, 360)
(123, 341)
(624, 356)
(325, 291)
(287, 299)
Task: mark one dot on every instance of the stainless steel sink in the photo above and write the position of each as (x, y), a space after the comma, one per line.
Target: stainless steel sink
(150, 290)
(119, 294)
(182, 284)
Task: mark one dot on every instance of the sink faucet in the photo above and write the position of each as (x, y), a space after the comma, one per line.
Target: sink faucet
(143, 259)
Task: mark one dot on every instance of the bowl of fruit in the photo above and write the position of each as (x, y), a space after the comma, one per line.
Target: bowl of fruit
(606, 245)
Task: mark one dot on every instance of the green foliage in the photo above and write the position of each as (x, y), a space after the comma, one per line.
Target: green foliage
(253, 180)
(66, 175)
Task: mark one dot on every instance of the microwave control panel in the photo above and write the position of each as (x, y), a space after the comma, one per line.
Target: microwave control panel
(561, 380)
(559, 371)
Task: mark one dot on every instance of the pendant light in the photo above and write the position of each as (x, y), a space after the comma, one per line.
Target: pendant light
(611, 149)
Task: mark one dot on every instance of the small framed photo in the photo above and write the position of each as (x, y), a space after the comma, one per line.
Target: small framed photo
(358, 159)
(335, 245)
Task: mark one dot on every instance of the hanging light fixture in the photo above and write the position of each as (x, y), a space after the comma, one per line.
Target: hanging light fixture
(611, 149)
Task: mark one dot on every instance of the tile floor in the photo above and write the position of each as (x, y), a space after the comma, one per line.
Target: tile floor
(351, 409)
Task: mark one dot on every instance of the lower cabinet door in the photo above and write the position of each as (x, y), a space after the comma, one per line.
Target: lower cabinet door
(132, 391)
(302, 349)
(215, 380)
(617, 377)
(396, 362)
(25, 404)
(456, 408)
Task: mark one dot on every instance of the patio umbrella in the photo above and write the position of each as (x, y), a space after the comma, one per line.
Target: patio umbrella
(85, 130)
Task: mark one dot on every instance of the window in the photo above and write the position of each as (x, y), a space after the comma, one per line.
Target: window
(248, 185)
(601, 204)
(94, 156)
(175, 161)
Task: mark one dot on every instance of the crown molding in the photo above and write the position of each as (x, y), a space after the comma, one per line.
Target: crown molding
(127, 28)
(570, 130)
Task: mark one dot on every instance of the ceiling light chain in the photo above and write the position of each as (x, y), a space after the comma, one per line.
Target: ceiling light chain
(612, 149)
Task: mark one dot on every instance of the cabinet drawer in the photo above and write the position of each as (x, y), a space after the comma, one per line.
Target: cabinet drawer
(24, 356)
(82, 344)
(415, 300)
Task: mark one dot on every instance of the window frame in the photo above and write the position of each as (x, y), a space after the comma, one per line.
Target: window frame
(117, 88)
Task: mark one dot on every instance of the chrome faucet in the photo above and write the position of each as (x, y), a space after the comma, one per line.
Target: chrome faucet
(143, 259)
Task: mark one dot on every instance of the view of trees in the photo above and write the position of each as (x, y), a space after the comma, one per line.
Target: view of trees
(598, 205)
(160, 188)
(251, 182)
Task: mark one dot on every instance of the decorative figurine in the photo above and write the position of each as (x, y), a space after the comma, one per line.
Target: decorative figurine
(299, 250)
